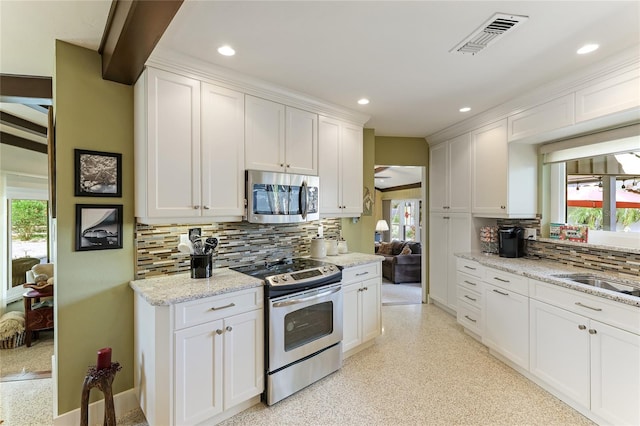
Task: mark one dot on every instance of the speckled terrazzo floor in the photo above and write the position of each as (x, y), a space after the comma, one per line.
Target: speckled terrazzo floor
(422, 371)
(401, 294)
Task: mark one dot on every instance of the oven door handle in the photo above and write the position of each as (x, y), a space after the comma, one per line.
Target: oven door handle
(306, 299)
(304, 200)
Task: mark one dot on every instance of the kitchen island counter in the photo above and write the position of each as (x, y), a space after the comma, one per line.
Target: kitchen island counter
(348, 260)
(551, 272)
(172, 289)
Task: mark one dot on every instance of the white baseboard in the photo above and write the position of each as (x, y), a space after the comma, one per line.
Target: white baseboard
(124, 402)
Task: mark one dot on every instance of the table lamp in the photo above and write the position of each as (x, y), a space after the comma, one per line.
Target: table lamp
(382, 226)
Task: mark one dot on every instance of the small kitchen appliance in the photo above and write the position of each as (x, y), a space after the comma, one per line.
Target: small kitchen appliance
(511, 241)
(303, 323)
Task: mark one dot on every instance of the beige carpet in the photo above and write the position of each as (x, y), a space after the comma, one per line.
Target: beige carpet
(23, 363)
(401, 294)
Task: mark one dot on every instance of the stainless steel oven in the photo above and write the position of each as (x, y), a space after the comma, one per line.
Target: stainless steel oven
(303, 335)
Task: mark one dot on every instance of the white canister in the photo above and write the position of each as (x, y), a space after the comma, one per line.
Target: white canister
(342, 247)
(318, 247)
(332, 247)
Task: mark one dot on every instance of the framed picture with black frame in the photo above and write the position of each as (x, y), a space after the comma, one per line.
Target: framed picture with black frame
(98, 174)
(98, 226)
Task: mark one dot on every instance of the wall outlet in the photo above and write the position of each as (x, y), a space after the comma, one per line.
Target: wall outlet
(530, 234)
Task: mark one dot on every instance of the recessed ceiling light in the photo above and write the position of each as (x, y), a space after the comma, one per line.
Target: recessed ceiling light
(465, 109)
(587, 48)
(226, 50)
(363, 101)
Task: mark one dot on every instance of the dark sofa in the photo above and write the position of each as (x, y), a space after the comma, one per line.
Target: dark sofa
(398, 267)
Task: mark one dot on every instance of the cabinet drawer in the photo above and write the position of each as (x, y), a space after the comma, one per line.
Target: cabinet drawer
(470, 267)
(508, 281)
(470, 297)
(598, 308)
(468, 281)
(469, 317)
(199, 311)
(361, 272)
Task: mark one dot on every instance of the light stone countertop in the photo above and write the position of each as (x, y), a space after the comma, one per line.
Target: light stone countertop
(171, 289)
(547, 271)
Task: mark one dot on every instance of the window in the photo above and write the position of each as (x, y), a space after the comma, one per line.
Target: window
(405, 220)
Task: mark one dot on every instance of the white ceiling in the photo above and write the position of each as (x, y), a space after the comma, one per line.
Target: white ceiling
(395, 53)
(397, 176)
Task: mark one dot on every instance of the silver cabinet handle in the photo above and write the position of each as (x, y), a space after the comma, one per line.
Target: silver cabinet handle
(469, 267)
(592, 331)
(470, 319)
(362, 273)
(219, 332)
(205, 207)
(469, 282)
(501, 280)
(470, 298)
(588, 307)
(196, 207)
(365, 289)
(229, 328)
(582, 327)
(500, 292)
(230, 305)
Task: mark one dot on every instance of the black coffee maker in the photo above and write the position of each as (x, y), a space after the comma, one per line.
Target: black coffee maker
(511, 241)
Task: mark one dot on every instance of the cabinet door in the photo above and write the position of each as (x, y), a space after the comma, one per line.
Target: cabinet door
(615, 374)
(328, 167)
(264, 135)
(173, 145)
(458, 241)
(370, 309)
(559, 349)
(222, 151)
(301, 146)
(351, 169)
(459, 174)
(438, 177)
(244, 357)
(351, 328)
(506, 324)
(438, 257)
(198, 373)
(490, 165)
(609, 96)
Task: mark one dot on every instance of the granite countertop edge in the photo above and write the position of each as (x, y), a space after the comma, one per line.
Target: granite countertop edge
(547, 271)
(167, 290)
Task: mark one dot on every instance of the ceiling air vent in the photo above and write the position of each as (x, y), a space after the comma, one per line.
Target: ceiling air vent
(489, 32)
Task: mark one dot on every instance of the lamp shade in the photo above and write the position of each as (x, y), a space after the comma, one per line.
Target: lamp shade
(382, 225)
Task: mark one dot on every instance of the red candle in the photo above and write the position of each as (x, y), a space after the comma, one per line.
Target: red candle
(104, 358)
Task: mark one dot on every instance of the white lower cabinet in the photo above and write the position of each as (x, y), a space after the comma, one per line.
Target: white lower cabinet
(469, 286)
(198, 360)
(592, 363)
(361, 306)
(506, 316)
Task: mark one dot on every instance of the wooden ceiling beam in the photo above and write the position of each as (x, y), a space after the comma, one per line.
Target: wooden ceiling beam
(26, 89)
(133, 29)
(13, 140)
(22, 124)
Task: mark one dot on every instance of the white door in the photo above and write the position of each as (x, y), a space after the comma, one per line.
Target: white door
(198, 373)
(370, 309)
(438, 177)
(222, 151)
(438, 257)
(615, 374)
(243, 357)
(459, 174)
(351, 169)
(173, 150)
(559, 350)
(351, 328)
(301, 147)
(490, 165)
(264, 135)
(328, 167)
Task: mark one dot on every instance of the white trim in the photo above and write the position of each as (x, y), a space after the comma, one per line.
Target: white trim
(194, 68)
(593, 150)
(124, 402)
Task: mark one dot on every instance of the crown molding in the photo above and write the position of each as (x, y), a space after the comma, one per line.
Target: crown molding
(195, 68)
(625, 61)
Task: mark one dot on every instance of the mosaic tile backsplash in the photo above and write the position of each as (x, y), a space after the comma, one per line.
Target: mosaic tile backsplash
(239, 243)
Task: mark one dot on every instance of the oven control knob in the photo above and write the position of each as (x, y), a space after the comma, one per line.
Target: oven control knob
(324, 269)
(274, 279)
(331, 267)
(284, 278)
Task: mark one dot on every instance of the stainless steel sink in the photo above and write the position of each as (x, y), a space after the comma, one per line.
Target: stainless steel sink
(605, 283)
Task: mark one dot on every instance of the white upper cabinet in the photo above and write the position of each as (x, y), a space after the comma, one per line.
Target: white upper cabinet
(450, 175)
(543, 118)
(189, 149)
(504, 177)
(279, 138)
(340, 168)
(609, 96)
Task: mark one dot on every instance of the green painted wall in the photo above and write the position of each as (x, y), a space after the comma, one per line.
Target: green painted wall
(398, 151)
(93, 299)
(360, 235)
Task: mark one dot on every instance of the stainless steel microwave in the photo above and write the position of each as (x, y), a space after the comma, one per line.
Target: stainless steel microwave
(282, 197)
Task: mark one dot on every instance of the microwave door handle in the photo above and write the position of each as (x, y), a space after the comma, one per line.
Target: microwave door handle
(304, 200)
